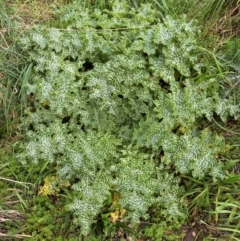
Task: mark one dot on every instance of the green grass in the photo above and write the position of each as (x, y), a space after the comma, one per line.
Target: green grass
(213, 206)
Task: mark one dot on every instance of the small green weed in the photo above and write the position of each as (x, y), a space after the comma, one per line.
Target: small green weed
(47, 220)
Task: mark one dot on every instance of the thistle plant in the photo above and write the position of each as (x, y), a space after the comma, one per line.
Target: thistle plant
(116, 106)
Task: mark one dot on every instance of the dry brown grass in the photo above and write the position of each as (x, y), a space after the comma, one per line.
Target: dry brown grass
(24, 15)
